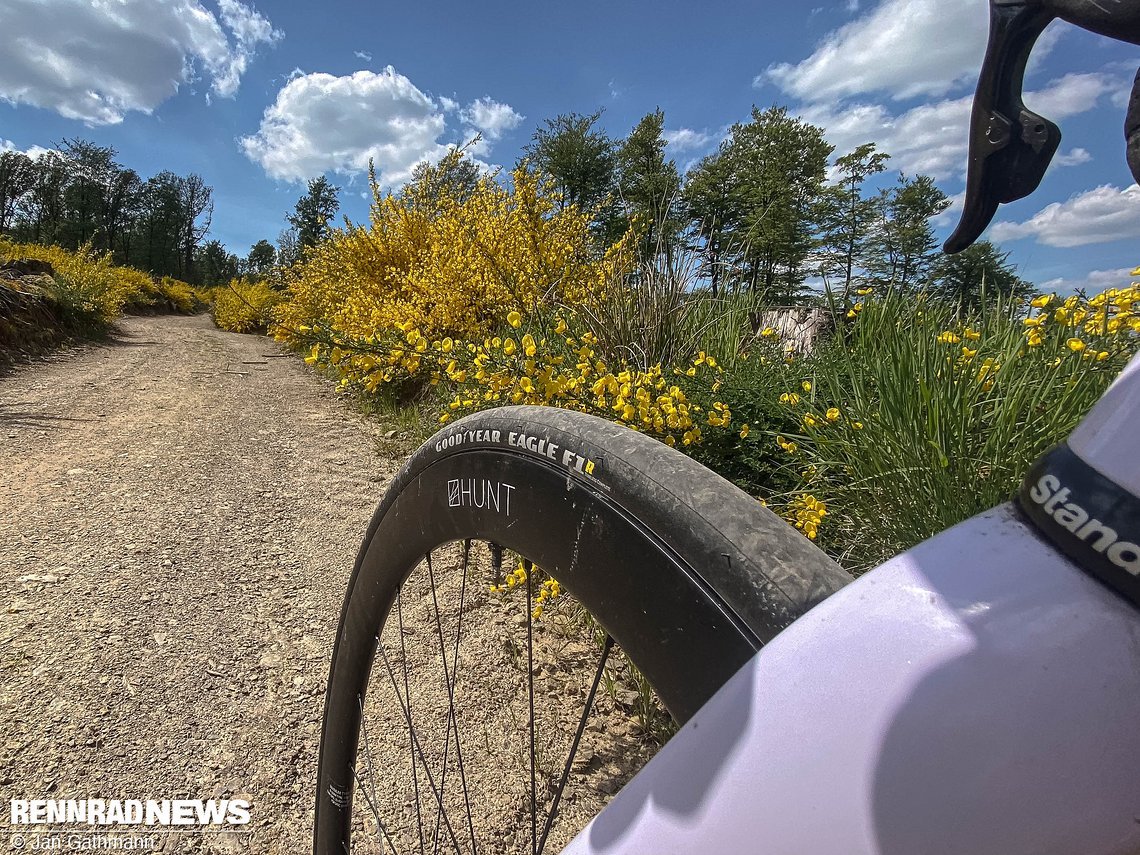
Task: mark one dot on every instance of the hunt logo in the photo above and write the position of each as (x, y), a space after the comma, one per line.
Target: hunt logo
(1053, 498)
(480, 493)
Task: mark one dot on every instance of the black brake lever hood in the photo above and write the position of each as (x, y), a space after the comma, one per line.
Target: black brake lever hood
(1010, 146)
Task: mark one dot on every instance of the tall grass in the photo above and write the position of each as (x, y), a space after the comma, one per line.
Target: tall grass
(662, 313)
(919, 418)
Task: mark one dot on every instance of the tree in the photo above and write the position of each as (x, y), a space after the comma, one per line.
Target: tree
(577, 157)
(261, 259)
(904, 242)
(92, 171)
(288, 248)
(649, 185)
(214, 265)
(157, 235)
(17, 177)
(43, 205)
(197, 211)
(778, 163)
(120, 207)
(847, 217)
(313, 211)
(710, 206)
(977, 274)
(451, 181)
(79, 195)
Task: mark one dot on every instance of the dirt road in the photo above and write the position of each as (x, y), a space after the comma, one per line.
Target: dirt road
(179, 512)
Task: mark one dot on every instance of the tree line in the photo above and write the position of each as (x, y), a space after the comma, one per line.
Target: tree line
(78, 194)
(769, 211)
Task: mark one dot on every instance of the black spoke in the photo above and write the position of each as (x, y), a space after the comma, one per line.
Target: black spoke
(454, 671)
(449, 678)
(496, 563)
(545, 795)
(408, 714)
(450, 705)
(528, 568)
(418, 750)
(550, 817)
(364, 790)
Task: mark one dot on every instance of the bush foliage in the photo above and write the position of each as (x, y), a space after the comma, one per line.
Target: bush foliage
(244, 306)
(91, 291)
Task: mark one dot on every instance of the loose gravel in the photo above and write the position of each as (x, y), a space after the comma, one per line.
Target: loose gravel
(179, 513)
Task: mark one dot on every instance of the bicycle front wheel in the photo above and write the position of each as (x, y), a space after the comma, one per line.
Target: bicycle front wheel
(686, 573)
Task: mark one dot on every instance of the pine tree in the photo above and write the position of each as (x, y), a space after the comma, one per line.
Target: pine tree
(314, 210)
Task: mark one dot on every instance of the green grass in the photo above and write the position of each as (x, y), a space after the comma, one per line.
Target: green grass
(944, 433)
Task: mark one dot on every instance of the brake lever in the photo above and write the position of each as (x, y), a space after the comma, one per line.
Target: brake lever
(1010, 145)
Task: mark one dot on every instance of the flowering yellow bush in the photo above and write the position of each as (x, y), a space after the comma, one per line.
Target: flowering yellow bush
(86, 281)
(452, 270)
(243, 306)
(180, 296)
(560, 369)
(1104, 319)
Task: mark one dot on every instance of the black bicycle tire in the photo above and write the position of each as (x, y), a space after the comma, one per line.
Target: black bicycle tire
(723, 574)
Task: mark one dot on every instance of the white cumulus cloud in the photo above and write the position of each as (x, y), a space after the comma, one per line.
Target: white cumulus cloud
(35, 152)
(933, 138)
(1092, 282)
(1073, 157)
(490, 118)
(97, 61)
(687, 139)
(903, 47)
(322, 123)
(1074, 93)
(1100, 215)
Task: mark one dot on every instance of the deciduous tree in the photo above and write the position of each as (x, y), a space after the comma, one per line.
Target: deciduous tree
(648, 185)
(847, 216)
(778, 164)
(577, 156)
(905, 246)
(453, 180)
(261, 259)
(712, 209)
(17, 177)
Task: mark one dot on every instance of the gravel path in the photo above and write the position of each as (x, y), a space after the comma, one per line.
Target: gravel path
(179, 513)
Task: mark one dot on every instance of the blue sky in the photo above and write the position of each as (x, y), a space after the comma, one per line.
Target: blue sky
(258, 98)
